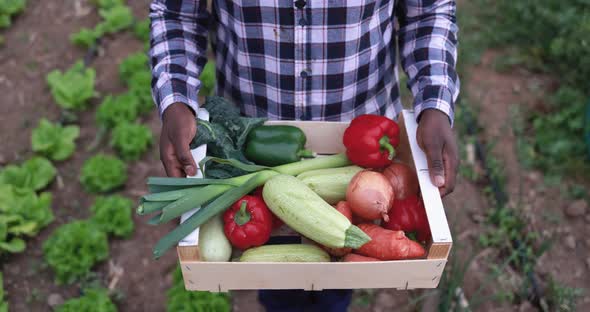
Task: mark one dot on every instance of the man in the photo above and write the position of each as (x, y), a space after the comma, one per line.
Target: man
(309, 60)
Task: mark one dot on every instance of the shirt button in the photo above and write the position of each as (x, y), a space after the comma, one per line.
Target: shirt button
(304, 74)
(300, 4)
(302, 22)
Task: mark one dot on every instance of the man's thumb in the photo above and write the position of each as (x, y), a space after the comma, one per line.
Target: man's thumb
(185, 158)
(435, 165)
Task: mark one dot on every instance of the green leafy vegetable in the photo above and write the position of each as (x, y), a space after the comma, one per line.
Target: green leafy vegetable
(35, 173)
(92, 300)
(84, 38)
(131, 140)
(225, 135)
(103, 173)
(112, 215)
(54, 140)
(139, 85)
(9, 8)
(207, 80)
(179, 299)
(132, 64)
(108, 4)
(116, 109)
(73, 249)
(142, 30)
(116, 18)
(73, 89)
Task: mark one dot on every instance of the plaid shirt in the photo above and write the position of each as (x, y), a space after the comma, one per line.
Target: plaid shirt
(307, 59)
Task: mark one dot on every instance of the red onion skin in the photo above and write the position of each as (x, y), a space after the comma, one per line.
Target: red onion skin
(403, 180)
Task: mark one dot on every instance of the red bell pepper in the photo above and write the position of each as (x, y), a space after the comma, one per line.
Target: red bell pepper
(248, 222)
(409, 215)
(370, 141)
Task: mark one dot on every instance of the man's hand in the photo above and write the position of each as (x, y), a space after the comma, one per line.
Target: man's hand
(436, 138)
(178, 130)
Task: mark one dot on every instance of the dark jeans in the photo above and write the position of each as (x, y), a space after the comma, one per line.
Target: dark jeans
(332, 300)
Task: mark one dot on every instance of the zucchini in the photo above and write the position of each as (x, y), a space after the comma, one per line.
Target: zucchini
(285, 253)
(308, 214)
(213, 245)
(330, 184)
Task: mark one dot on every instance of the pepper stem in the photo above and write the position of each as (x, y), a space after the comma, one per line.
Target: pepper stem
(305, 153)
(242, 216)
(385, 145)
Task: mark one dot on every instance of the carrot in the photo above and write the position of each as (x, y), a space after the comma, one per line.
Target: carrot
(357, 258)
(344, 209)
(389, 245)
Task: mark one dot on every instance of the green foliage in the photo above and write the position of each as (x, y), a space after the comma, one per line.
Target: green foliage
(131, 140)
(132, 64)
(72, 89)
(35, 173)
(141, 29)
(562, 298)
(117, 109)
(54, 140)
(84, 38)
(207, 79)
(108, 4)
(3, 303)
(22, 212)
(112, 215)
(181, 300)
(73, 249)
(93, 300)
(115, 19)
(103, 173)
(135, 73)
(9, 8)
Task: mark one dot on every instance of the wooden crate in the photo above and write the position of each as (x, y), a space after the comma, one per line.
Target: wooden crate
(326, 138)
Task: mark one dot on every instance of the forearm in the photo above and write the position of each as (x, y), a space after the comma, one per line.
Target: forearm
(428, 43)
(178, 51)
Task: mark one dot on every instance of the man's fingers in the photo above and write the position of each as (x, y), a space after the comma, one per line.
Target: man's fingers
(435, 163)
(168, 158)
(185, 158)
(451, 164)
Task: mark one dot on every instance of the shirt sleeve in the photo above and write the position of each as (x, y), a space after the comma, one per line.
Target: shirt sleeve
(428, 44)
(178, 51)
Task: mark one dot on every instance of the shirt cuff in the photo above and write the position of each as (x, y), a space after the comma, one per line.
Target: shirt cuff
(435, 97)
(168, 94)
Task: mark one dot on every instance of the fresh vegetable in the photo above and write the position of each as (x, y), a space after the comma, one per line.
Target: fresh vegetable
(213, 244)
(403, 180)
(285, 253)
(72, 89)
(218, 194)
(358, 258)
(248, 222)
(131, 140)
(85, 37)
(8, 8)
(22, 212)
(73, 249)
(139, 85)
(117, 109)
(132, 64)
(344, 209)
(103, 173)
(112, 214)
(207, 78)
(388, 245)
(179, 299)
(370, 195)
(409, 215)
(54, 140)
(330, 184)
(115, 19)
(276, 145)
(141, 30)
(370, 141)
(308, 214)
(35, 173)
(225, 135)
(92, 300)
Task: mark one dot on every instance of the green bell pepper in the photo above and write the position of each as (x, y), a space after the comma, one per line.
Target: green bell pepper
(276, 145)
